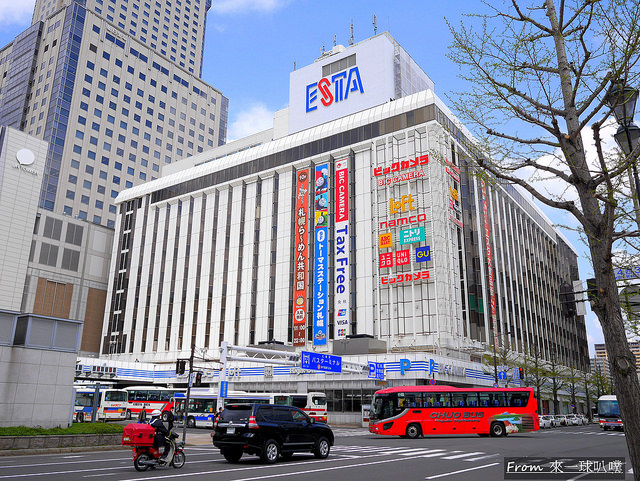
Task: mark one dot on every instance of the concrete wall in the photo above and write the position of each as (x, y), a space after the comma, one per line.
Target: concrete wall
(36, 387)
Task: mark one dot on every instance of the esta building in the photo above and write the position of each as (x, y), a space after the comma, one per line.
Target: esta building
(355, 226)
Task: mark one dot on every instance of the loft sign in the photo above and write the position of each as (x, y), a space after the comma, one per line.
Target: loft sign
(333, 90)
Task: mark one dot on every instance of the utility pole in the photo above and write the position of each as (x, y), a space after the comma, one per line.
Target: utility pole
(186, 401)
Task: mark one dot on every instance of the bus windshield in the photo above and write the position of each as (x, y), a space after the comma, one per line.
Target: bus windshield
(608, 409)
(119, 396)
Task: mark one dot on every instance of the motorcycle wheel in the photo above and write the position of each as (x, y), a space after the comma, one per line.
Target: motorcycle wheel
(142, 458)
(178, 460)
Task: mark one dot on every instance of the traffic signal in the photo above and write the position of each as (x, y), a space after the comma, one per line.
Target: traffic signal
(180, 366)
(520, 373)
(198, 381)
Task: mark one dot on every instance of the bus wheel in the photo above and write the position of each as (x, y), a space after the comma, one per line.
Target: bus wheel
(165, 416)
(497, 430)
(413, 431)
(605, 428)
(191, 422)
(80, 417)
(128, 415)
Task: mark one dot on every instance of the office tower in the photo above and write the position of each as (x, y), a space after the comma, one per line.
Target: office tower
(112, 108)
(114, 88)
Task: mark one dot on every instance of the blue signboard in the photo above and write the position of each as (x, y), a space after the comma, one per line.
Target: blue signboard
(423, 254)
(376, 370)
(502, 375)
(321, 255)
(629, 273)
(321, 362)
(224, 389)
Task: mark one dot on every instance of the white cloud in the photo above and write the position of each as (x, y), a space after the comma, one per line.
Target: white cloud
(250, 121)
(16, 12)
(243, 6)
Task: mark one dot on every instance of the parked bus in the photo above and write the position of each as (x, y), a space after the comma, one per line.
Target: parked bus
(413, 411)
(609, 413)
(203, 402)
(112, 403)
(149, 398)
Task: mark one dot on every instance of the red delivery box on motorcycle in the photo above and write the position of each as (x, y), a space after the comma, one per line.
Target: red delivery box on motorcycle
(138, 435)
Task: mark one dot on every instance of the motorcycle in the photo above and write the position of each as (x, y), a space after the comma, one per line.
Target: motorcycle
(145, 456)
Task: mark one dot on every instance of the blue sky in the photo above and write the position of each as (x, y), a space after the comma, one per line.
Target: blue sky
(251, 47)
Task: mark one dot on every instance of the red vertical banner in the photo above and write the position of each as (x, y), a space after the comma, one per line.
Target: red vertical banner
(492, 290)
(301, 244)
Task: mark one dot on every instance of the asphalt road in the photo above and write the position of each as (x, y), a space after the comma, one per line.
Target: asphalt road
(357, 455)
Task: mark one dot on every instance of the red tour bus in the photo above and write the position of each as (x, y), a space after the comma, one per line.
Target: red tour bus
(413, 411)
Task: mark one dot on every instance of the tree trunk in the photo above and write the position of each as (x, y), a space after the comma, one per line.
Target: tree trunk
(622, 362)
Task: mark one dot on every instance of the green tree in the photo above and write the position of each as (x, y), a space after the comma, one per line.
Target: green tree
(556, 381)
(536, 373)
(572, 377)
(540, 73)
(501, 357)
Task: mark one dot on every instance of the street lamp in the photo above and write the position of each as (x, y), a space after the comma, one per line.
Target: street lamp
(622, 99)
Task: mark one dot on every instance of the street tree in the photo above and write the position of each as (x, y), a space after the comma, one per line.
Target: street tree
(540, 76)
(572, 377)
(556, 380)
(495, 359)
(536, 372)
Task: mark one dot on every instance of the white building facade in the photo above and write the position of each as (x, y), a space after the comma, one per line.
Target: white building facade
(365, 229)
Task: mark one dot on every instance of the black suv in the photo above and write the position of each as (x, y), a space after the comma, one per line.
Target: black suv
(269, 431)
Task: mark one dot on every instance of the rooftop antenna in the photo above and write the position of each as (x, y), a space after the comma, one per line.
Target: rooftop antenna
(322, 52)
(294, 65)
(375, 25)
(351, 30)
(334, 41)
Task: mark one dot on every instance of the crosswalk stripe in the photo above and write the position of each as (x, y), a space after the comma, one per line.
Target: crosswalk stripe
(463, 455)
(479, 458)
(417, 452)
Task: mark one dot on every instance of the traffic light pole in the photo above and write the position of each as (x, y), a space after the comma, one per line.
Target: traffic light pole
(186, 401)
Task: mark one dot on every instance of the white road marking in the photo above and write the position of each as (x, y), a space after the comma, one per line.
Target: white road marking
(463, 455)
(461, 471)
(413, 452)
(482, 457)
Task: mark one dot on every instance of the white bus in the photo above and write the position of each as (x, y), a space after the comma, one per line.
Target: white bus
(149, 398)
(203, 401)
(609, 413)
(112, 403)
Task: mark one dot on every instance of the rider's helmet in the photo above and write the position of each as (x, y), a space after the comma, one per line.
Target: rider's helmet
(156, 413)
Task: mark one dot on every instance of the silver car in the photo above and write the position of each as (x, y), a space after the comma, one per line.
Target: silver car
(545, 421)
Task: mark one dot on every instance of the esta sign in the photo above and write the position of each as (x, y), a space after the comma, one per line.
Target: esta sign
(335, 89)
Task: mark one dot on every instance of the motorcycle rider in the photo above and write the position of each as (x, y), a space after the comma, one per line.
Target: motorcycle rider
(161, 432)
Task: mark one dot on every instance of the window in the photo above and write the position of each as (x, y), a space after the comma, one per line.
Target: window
(70, 259)
(48, 255)
(74, 234)
(52, 228)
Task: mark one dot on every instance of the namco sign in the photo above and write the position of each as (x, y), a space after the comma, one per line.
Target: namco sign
(334, 89)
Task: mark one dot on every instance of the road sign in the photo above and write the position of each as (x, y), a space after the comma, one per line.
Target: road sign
(495, 384)
(502, 375)
(224, 389)
(376, 370)
(321, 362)
(432, 381)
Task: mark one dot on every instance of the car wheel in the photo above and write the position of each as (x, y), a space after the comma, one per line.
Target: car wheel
(191, 422)
(413, 431)
(497, 430)
(232, 455)
(322, 448)
(270, 451)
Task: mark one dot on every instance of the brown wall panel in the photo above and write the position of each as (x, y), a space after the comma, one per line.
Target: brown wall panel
(92, 332)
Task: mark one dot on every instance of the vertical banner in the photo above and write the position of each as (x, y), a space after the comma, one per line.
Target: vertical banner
(301, 242)
(341, 255)
(492, 291)
(320, 257)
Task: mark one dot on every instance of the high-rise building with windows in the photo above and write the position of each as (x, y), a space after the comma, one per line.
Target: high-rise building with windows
(114, 87)
(356, 226)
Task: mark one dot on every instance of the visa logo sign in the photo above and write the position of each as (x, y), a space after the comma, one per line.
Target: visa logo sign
(335, 90)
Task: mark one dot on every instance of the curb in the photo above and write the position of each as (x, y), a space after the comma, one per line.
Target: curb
(71, 449)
